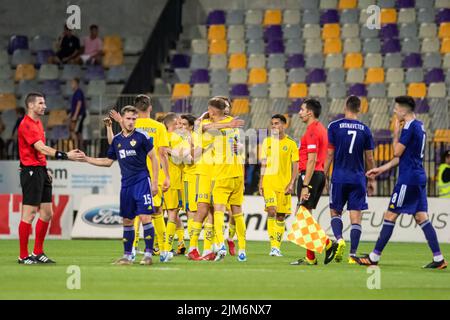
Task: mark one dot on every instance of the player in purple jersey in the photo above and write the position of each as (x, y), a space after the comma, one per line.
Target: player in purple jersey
(409, 195)
(349, 143)
(131, 149)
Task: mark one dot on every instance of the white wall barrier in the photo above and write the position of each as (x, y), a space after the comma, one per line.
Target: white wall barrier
(10, 213)
(98, 217)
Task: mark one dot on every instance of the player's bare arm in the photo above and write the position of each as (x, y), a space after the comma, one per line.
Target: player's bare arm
(375, 172)
(109, 131)
(310, 165)
(163, 156)
(155, 171)
(398, 147)
(327, 166)
(290, 187)
(370, 164)
(99, 162)
(73, 155)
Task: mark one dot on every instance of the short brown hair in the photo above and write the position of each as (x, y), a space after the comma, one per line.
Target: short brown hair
(226, 99)
(353, 104)
(31, 97)
(218, 103)
(169, 118)
(128, 109)
(142, 102)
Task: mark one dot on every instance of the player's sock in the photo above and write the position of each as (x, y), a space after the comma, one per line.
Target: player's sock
(180, 235)
(337, 226)
(149, 237)
(189, 226)
(128, 239)
(195, 233)
(231, 231)
(24, 234)
(328, 243)
(430, 235)
(271, 231)
(160, 229)
(279, 231)
(383, 238)
(209, 237)
(355, 235)
(310, 255)
(170, 235)
(218, 225)
(240, 230)
(137, 224)
(41, 231)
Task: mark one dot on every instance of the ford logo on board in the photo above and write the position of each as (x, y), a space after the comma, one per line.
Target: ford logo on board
(106, 216)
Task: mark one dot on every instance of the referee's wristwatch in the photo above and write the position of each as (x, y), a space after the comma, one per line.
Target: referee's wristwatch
(306, 186)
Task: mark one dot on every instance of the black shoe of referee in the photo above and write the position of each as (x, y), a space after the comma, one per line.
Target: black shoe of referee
(27, 260)
(331, 252)
(42, 258)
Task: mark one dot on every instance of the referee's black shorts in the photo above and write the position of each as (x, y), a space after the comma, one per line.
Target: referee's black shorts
(317, 183)
(36, 186)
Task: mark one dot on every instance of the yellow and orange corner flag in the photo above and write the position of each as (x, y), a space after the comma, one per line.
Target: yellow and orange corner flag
(306, 232)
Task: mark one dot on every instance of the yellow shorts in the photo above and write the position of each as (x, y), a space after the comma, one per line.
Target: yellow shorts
(229, 191)
(279, 200)
(157, 200)
(172, 199)
(204, 189)
(190, 192)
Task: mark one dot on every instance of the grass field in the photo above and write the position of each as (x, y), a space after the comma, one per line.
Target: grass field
(261, 277)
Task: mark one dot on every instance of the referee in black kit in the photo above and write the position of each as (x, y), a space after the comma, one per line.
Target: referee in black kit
(35, 181)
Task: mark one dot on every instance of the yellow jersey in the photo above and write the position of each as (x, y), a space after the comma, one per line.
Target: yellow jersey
(191, 167)
(204, 140)
(175, 165)
(158, 135)
(279, 156)
(227, 164)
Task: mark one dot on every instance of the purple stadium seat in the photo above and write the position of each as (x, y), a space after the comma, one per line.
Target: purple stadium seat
(389, 31)
(405, 4)
(334, 117)
(295, 105)
(329, 16)
(295, 61)
(180, 61)
(435, 75)
(181, 106)
(200, 76)
(391, 46)
(17, 42)
(43, 56)
(273, 32)
(94, 72)
(422, 106)
(443, 16)
(358, 89)
(275, 46)
(216, 17)
(413, 60)
(51, 87)
(240, 90)
(316, 76)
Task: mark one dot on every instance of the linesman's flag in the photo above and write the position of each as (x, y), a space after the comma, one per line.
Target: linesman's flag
(306, 232)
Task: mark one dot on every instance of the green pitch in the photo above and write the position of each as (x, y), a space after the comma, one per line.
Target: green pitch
(261, 277)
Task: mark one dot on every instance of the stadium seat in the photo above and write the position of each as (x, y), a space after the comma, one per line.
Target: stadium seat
(215, 17)
(445, 46)
(238, 76)
(277, 75)
(355, 75)
(417, 90)
(221, 89)
(353, 60)
(410, 46)
(112, 59)
(24, 87)
(350, 16)
(181, 90)
(256, 61)
(277, 60)
(48, 72)
(217, 32)
(313, 46)
(17, 42)
(254, 32)
(350, 31)
(332, 46)
(112, 43)
(336, 75)
(255, 46)
(272, 17)
(310, 16)
(431, 45)
(218, 61)
(347, 4)
(239, 90)
(291, 17)
(437, 90)
(199, 46)
(7, 101)
(396, 89)
(278, 90)
(427, 30)
(21, 56)
(352, 45)
(294, 46)
(25, 72)
(253, 17)
(328, 4)
(407, 15)
(240, 106)
(388, 15)
(337, 91)
(133, 45)
(442, 135)
(331, 30)
(236, 32)
(357, 89)
(394, 75)
(432, 60)
(236, 46)
(375, 75)
(311, 31)
(297, 75)
(298, 90)
(116, 74)
(200, 76)
(292, 31)
(5, 72)
(376, 90)
(334, 61)
(218, 47)
(257, 75)
(182, 75)
(318, 90)
(373, 60)
(314, 61)
(414, 75)
(200, 90)
(237, 61)
(259, 90)
(235, 17)
(199, 61)
(41, 42)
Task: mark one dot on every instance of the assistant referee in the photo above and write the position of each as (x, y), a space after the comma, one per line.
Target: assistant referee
(36, 182)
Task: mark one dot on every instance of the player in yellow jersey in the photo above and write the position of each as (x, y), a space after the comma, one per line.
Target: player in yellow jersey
(172, 200)
(158, 133)
(279, 168)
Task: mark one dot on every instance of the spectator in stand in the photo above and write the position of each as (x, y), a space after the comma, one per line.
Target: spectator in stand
(77, 112)
(92, 47)
(68, 49)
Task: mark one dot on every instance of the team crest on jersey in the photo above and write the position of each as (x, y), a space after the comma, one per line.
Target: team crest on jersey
(119, 145)
(133, 142)
(285, 148)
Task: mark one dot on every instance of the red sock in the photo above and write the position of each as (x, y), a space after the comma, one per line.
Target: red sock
(328, 241)
(41, 231)
(24, 235)
(310, 255)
